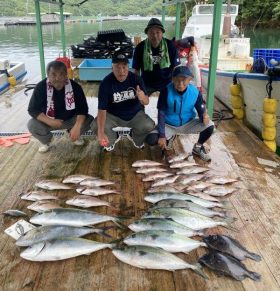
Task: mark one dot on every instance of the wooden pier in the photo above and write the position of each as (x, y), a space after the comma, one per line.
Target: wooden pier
(234, 150)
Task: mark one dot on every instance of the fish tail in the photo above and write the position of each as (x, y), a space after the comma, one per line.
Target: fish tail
(227, 223)
(226, 205)
(119, 222)
(198, 270)
(254, 257)
(103, 232)
(254, 276)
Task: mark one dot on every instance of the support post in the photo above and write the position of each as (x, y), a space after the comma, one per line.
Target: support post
(62, 28)
(40, 38)
(214, 56)
(178, 19)
(163, 15)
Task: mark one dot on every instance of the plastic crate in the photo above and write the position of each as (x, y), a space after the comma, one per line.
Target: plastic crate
(267, 55)
(96, 69)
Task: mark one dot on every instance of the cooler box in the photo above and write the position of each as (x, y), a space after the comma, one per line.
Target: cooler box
(96, 69)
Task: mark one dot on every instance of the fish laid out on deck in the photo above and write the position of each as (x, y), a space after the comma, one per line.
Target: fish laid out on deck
(85, 201)
(230, 246)
(50, 232)
(52, 185)
(227, 265)
(61, 249)
(43, 205)
(154, 258)
(37, 196)
(167, 240)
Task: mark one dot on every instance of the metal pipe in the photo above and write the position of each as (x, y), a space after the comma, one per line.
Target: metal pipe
(62, 28)
(40, 38)
(214, 56)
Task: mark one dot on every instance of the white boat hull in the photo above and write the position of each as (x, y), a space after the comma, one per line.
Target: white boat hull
(253, 90)
(17, 70)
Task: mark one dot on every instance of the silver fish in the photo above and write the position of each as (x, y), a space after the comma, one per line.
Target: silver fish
(225, 264)
(153, 258)
(164, 188)
(192, 170)
(146, 163)
(199, 186)
(221, 180)
(165, 181)
(87, 201)
(182, 164)
(52, 185)
(155, 197)
(15, 213)
(96, 191)
(37, 195)
(166, 239)
(177, 158)
(190, 206)
(147, 170)
(156, 176)
(162, 224)
(185, 180)
(49, 232)
(72, 217)
(203, 195)
(78, 178)
(43, 205)
(60, 249)
(188, 218)
(219, 190)
(96, 182)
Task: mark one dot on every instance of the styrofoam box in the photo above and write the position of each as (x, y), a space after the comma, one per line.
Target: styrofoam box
(96, 69)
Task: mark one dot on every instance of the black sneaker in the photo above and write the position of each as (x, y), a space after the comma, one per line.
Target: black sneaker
(201, 152)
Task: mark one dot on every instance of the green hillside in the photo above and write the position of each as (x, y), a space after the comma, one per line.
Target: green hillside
(254, 13)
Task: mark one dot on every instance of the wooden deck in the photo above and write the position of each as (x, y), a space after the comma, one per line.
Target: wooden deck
(234, 150)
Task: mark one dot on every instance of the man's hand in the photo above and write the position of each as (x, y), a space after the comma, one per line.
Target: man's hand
(162, 143)
(141, 96)
(55, 123)
(103, 139)
(75, 133)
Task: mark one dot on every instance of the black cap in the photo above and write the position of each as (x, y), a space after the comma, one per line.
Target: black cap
(182, 71)
(154, 22)
(119, 58)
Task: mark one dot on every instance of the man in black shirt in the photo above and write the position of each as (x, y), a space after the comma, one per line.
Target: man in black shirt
(58, 103)
(121, 99)
(155, 57)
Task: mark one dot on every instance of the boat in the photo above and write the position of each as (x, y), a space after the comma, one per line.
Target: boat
(254, 88)
(11, 73)
(234, 51)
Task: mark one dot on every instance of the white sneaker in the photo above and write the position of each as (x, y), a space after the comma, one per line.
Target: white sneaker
(79, 142)
(44, 148)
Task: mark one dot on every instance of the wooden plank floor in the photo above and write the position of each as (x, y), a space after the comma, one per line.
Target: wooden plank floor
(234, 150)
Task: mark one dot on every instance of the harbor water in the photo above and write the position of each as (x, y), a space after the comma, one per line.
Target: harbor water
(20, 43)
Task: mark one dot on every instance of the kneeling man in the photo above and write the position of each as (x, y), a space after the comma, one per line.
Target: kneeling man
(121, 100)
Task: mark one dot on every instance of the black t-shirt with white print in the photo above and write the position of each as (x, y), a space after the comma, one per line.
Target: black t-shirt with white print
(119, 98)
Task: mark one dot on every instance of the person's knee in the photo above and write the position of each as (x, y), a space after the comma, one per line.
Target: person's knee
(152, 139)
(32, 125)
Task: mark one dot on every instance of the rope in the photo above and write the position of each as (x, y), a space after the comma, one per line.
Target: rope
(57, 133)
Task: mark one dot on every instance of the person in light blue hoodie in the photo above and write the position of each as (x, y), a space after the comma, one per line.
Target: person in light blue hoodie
(178, 105)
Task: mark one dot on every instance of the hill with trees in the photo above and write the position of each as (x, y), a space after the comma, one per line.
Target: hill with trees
(254, 13)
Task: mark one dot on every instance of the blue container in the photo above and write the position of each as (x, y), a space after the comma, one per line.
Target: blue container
(267, 55)
(96, 69)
